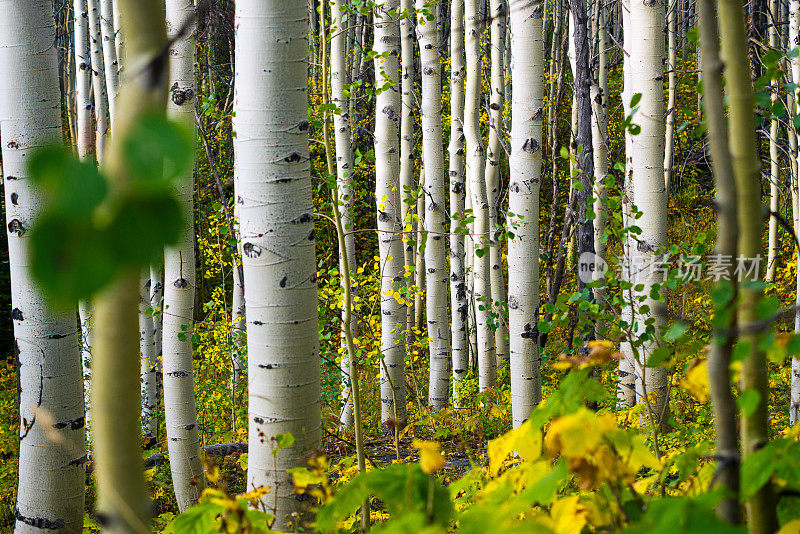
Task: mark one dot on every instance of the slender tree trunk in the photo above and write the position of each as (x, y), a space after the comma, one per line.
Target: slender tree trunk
(459, 307)
(646, 166)
(743, 147)
(179, 284)
(773, 243)
(407, 187)
(626, 391)
(719, 357)
(387, 167)
(794, 36)
(480, 205)
(672, 90)
(123, 500)
(599, 99)
(527, 44)
(98, 80)
(277, 231)
(149, 363)
(344, 177)
(497, 13)
(50, 490)
(435, 214)
(108, 36)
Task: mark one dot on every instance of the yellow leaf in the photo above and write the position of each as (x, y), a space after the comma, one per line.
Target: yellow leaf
(213, 474)
(792, 527)
(696, 381)
(568, 515)
(430, 459)
(524, 440)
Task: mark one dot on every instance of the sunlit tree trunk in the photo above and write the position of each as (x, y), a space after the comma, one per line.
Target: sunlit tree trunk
(277, 232)
(122, 498)
(344, 170)
(459, 308)
(480, 205)
(794, 36)
(179, 284)
(649, 192)
(497, 14)
(99, 87)
(672, 88)
(773, 244)
(407, 186)
(387, 194)
(527, 45)
(436, 223)
(743, 147)
(50, 491)
(600, 145)
(108, 36)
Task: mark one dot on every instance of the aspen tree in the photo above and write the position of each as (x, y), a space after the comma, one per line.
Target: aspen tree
(626, 390)
(344, 180)
(436, 276)
(179, 282)
(742, 144)
(599, 93)
(649, 193)
(407, 187)
(793, 38)
(459, 308)
(50, 490)
(149, 363)
(527, 44)
(719, 357)
(123, 501)
(108, 44)
(85, 146)
(99, 87)
(387, 194)
(475, 160)
(497, 17)
(773, 244)
(157, 303)
(277, 233)
(672, 88)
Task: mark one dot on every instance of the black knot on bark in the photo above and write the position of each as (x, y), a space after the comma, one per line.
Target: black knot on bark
(15, 226)
(530, 145)
(16, 314)
(14, 198)
(180, 283)
(294, 157)
(181, 96)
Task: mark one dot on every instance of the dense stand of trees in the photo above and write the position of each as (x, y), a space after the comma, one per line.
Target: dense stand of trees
(494, 199)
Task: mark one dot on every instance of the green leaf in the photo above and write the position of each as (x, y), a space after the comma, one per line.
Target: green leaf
(70, 186)
(199, 519)
(141, 226)
(157, 152)
(675, 332)
(283, 441)
(635, 99)
(747, 401)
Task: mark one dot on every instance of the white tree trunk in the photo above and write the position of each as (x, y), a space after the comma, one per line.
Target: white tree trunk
(672, 92)
(459, 307)
(773, 244)
(626, 392)
(149, 364)
(600, 150)
(85, 146)
(497, 14)
(179, 284)
(157, 303)
(436, 223)
(480, 205)
(344, 180)
(387, 194)
(50, 491)
(647, 168)
(110, 62)
(527, 44)
(407, 186)
(794, 36)
(98, 80)
(277, 232)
